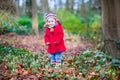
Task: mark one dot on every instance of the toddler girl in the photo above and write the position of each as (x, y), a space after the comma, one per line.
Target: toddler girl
(54, 39)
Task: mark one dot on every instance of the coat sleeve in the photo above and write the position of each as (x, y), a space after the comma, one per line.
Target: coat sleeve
(60, 34)
(46, 36)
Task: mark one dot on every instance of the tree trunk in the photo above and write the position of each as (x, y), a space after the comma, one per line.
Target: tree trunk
(78, 7)
(60, 4)
(67, 5)
(84, 14)
(17, 8)
(34, 17)
(45, 6)
(21, 7)
(70, 5)
(55, 5)
(29, 8)
(111, 26)
(8, 6)
(24, 7)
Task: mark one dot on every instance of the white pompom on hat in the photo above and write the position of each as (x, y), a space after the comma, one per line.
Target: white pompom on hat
(50, 15)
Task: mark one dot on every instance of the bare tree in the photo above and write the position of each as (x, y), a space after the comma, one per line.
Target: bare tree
(7, 5)
(60, 4)
(24, 7)
(84, 14)
(70, 5)
(29, 7)
(20, 7)
(55, 5)
(34, 17)
(111, 26)
(78, 6)
(67, 5)
(45, 6)
(17, 8)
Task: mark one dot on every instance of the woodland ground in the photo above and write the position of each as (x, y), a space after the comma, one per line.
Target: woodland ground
(74, 44)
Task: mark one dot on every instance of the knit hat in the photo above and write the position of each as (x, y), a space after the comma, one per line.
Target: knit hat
(50, 15)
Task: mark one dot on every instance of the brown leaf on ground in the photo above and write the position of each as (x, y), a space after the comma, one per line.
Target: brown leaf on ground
(74, 44)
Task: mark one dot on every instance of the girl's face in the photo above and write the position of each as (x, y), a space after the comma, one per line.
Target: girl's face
(51, 21)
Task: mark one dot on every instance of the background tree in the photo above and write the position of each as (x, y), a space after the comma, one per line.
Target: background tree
(84, 14)
(20, 7)
(7, 5)
(70, 5)
(67, 5)
(34, 17)
(17, 8)
(111, 26)
(45, 6)
(60, 4)
(29, 8)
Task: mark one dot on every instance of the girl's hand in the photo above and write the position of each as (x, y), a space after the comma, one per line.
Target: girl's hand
(51, 29)
(46, 25)
(48, 43)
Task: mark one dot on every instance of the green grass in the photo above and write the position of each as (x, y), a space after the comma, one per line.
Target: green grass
(103, 65)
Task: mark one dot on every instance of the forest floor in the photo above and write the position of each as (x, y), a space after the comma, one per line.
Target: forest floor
(74, 44)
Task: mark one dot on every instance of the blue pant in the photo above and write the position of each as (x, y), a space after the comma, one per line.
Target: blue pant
(56, 57)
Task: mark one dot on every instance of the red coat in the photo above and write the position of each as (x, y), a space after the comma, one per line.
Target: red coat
(55, 37)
